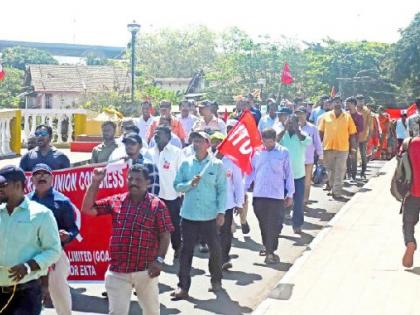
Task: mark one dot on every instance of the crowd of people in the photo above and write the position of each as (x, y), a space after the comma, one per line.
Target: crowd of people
(182, 192)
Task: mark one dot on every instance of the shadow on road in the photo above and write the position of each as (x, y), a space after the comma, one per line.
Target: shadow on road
(242, 278)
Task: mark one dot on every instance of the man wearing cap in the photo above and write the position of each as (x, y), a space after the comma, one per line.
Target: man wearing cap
(296, 143)
(167, 158)
(63, 211)
(235, 198)
(314, 147)
(29, 244)
(44, 152)
(175, 125)
(272, 176)
(140, 236)
(338, 132)
(202, 179)
(208, 121)
(268, 120)
(283, 114)
(364, 136)
(133, 144)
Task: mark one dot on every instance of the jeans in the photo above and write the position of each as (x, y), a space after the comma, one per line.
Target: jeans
(297, 218)
(270, 215)
(190, 232)
(174, 207)
(362, 149)
(226, 235)
(411, 208)
(25, 302)
(352, 164)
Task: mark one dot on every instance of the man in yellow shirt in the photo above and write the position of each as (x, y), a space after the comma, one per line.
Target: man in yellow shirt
(338, 133)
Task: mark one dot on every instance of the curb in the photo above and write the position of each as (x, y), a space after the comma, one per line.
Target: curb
(265, 305)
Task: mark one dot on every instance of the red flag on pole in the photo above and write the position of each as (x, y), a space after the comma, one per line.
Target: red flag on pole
(333, 92)
(2, 73)
(286, 76)
(225, 115)
(241, 142)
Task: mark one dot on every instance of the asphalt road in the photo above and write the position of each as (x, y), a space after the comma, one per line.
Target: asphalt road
(247, 283)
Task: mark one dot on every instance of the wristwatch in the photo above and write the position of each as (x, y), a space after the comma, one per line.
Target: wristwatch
(160, 260)
(28, 268)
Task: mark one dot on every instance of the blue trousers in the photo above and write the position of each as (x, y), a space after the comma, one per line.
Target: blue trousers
(297, 218)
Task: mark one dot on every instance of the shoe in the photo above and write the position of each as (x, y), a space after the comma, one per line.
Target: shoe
(203, 248)
(408, 257)
(327, 187)
(272, 259)
(263, 252)
(216, 287)
(297, 230)
(104, 294)
(245, 228)
(179, 294)
(227, 265)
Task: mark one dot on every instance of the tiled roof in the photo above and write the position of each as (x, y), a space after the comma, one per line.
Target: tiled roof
(79, 78)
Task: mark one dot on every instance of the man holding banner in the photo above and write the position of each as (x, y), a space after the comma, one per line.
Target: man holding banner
(140, 236)
(62, 209)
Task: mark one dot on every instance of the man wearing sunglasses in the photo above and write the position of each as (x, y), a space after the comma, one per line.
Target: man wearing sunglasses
(44, 152)
(29, 244)
(63, 211)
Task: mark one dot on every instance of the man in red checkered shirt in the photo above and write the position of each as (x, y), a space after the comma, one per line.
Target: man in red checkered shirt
(141, 227)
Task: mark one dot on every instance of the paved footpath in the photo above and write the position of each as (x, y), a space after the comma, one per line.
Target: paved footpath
(247, 284)
(354, 264)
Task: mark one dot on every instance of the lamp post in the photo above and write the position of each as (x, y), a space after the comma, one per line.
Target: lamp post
(133, 28)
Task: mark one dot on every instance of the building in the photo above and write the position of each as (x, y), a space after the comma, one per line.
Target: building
(69, 86)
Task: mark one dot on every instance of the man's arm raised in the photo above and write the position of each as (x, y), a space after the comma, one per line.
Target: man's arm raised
(90, 195)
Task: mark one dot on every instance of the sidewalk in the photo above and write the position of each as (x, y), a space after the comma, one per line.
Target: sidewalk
(354, 265)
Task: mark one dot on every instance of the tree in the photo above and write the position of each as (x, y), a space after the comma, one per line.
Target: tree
(10, 88)
(406, 59)
(18, 57)
(93, 59)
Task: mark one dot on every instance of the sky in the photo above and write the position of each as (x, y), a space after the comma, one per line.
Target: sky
(102, 22)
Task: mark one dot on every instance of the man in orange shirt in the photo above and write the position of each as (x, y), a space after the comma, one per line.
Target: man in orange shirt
(338, 132)
(165, 112)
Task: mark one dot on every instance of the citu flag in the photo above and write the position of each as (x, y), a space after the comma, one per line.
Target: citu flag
(2, 73)
(286, 76)
(241, 142)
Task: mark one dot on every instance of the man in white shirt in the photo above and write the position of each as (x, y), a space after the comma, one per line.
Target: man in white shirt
(185, 117)
(402, 128)
(208, 122)
(145, 120)
(167, 158)
(270, 118)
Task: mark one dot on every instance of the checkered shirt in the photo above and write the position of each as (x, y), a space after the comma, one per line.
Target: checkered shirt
(135, 232)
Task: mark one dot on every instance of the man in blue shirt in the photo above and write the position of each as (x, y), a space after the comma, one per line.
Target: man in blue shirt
(44, 152)
(29, 244)
(202, 179)
(64, 214)
(272, 175)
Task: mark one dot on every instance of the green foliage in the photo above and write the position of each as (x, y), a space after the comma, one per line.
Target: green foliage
(18, 57)
(406, 59)
(10, 88)
(93, 59)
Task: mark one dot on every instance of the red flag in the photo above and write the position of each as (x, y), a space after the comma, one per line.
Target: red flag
(241, 142)
(2, 73)
(395, 113)
(333, 92)
(286, 76)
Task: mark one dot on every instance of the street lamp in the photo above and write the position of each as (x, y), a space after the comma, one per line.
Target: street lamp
(133, 28)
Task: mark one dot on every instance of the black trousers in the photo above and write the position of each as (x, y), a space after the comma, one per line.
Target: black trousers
(190, 232)
(174, 207)
(226, 235)
(270, 215)
(27, 301)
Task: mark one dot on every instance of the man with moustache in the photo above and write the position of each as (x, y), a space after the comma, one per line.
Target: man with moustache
(63, 211)
(29, 244)
(140, 236)
(44, 152)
